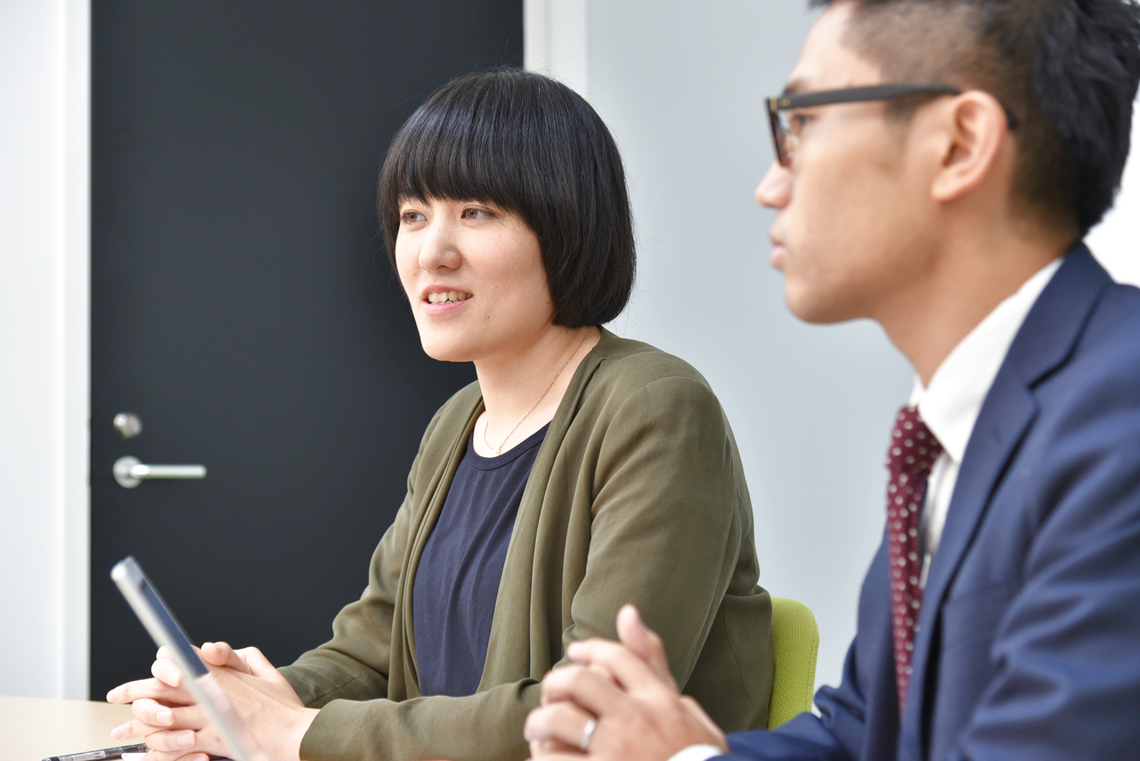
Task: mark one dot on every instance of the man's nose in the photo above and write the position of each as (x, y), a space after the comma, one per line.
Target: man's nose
(775, 189)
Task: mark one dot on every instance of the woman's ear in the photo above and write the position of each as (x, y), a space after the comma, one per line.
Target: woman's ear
(976, 132)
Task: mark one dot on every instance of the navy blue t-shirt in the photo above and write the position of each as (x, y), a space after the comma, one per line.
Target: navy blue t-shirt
(457, 581)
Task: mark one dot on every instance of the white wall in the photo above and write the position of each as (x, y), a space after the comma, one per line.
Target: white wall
(555, 40)
(43, 348)
(1116, 242)
(681, 85)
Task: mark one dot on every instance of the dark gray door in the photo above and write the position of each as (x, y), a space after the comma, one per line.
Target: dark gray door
(243, 307)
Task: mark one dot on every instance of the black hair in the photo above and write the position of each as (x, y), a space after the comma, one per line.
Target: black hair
(532, 146)
(1067, 69)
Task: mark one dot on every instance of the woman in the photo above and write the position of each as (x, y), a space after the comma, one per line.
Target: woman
(581, 472)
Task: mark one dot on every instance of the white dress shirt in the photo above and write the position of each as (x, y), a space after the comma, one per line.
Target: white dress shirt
(951, 404)
(950, 408)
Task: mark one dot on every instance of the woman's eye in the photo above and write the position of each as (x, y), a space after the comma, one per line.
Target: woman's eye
(411, 217)
(476, 214)
(797, 122)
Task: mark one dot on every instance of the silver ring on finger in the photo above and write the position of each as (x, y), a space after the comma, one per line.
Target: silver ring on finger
(587, 734)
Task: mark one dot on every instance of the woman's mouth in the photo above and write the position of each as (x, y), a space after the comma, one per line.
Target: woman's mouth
(444, 297)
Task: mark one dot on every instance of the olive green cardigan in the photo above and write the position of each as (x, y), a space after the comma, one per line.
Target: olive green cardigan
(637, 495)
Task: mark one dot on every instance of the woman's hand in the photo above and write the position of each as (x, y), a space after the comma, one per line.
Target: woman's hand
(176, 728)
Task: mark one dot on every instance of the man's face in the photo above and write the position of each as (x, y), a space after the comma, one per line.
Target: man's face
(853, 213)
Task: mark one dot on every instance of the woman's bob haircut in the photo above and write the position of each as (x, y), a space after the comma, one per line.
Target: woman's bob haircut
(532, 146)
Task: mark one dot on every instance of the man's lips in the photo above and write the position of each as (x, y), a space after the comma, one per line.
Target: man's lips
(779, 254)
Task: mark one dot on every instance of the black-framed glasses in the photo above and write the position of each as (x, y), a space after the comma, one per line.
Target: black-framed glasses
(784, 138)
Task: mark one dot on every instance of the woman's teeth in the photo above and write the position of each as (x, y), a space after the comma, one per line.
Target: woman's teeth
(444, 297)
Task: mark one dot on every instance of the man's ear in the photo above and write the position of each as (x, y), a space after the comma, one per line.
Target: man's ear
(976, 140)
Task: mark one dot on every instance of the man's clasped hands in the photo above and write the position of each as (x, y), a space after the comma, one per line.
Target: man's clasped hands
(615, 701)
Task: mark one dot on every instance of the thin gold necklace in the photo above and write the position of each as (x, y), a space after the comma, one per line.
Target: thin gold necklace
(557, 375)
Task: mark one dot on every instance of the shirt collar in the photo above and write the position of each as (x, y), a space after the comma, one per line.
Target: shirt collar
(951, 404)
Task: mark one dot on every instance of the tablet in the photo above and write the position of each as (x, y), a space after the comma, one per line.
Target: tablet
(165, 630)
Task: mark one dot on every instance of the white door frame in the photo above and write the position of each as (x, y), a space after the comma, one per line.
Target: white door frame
(44, 347)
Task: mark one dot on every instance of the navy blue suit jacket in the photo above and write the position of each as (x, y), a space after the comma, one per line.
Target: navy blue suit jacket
(1029, 639)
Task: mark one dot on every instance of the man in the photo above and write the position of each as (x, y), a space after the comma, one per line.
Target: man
(1000, 619)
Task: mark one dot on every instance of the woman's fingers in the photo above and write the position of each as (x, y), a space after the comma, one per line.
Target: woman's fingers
(151, 717)
(160, 749)
(134, 729)
(166, 671)
(179, 743)
(185, 737)
(177, 755)
(152, 712)
(257, 664)
(153, 689)
(170, 717)
(220, 654)
(177, 730)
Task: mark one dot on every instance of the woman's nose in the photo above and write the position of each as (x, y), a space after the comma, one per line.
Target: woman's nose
(775, 189)
(439, 249)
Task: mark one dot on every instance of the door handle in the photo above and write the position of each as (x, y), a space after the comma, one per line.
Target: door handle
(129, 472)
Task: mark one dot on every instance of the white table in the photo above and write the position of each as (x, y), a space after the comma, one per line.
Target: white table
(32, 729)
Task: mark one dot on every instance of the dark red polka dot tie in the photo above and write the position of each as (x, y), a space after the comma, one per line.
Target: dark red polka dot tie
(911, 455)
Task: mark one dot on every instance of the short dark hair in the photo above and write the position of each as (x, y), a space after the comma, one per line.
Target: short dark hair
(1067, 69)
(532, 146)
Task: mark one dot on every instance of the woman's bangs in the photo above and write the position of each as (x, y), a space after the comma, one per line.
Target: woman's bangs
(458, 155)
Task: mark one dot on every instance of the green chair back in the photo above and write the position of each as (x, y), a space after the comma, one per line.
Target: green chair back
(795, 647)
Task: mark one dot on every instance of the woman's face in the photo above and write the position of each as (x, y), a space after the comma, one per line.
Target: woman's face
(475, 279)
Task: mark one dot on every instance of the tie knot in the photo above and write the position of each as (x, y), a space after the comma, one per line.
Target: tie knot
(913, 447)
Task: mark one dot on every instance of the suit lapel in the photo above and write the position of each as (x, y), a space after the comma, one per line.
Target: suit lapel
(1045, 341)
